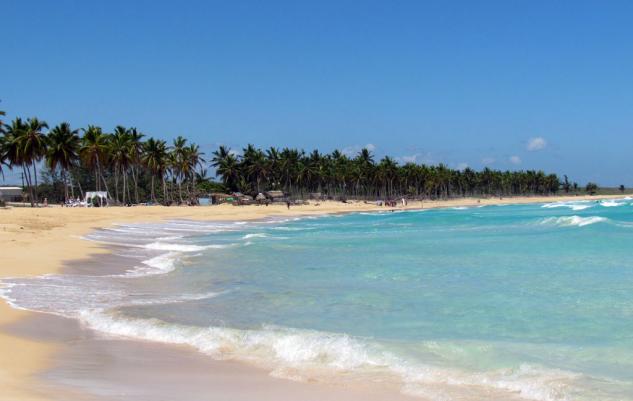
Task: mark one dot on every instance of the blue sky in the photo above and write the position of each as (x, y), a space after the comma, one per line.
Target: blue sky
(508, 84)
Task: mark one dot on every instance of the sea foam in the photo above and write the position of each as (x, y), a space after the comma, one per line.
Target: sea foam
(567, 221)
(313, 355)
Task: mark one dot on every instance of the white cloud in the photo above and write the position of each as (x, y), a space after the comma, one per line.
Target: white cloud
(536, 143)
(515, 160)
(418, 158)
(408, 159)
(462, 166)
(487, 160)
(352, 151)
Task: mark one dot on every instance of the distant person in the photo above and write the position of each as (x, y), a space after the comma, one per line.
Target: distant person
(288, 204)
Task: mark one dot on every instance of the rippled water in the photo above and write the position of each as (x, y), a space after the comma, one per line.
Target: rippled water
(498, 302)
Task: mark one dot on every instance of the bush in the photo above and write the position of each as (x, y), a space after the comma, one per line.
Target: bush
(591, 188)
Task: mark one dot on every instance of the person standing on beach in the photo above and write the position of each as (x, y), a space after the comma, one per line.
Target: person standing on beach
(288, 204)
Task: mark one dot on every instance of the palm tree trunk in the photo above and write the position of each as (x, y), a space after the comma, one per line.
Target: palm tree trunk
(123, 174)
(65, 185)
(116, 184)
(97, 183)
(164, 190)
(35, 189)
(27, 176)
(72, 186)
(135, 179)
(152, 187)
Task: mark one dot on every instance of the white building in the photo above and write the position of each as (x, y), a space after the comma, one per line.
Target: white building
(11, 194)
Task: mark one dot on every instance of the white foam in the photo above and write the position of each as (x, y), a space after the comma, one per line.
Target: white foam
(309, 354)
(256, 235)
(576, 206)
(567, 221)
(611, 203)
(161, 264)
(166, 246)
(175, 299)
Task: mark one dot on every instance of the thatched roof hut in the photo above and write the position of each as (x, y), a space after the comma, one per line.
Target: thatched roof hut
(218, 198)
(275, 195)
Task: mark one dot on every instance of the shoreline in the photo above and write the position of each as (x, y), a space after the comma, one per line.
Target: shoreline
(40, 241)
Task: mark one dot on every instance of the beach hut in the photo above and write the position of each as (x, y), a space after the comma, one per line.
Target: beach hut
(218, 198)
(276, 196)
(11, 194)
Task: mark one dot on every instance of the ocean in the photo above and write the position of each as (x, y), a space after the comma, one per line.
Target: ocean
(514, 302)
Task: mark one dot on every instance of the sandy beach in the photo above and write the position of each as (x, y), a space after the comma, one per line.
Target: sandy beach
(40, 241)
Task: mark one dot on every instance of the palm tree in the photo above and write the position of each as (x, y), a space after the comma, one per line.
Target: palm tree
(3, 154)
(2, 114)
(63, 151)
(30, 142)
(94, 152)
(136, 151)
(226, 166)
(120, 155)
(179, 162)
(193, 160)
(155, 159)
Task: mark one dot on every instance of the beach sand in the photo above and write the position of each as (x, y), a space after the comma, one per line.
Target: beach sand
(39, 241)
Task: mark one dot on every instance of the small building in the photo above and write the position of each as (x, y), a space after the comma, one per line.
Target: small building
(11, 194)
(218, 198)
(316, 196)
(276, 196)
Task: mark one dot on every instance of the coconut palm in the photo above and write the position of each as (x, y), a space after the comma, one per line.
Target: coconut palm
(226, 166)
(179, 162)
(63, 151)
(121, 158)
(30, 142)
(193, 160)
(136, 151)
(155, 159)
(94, 152)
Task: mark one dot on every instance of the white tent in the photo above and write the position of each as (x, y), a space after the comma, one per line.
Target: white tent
(102, 195)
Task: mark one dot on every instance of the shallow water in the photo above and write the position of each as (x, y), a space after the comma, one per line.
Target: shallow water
(513, 302)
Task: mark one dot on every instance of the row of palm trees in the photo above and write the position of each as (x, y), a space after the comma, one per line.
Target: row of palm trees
(360, 176)
(132, 168)
(119, 160)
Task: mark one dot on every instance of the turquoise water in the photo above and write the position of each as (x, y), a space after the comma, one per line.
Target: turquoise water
(498, 302)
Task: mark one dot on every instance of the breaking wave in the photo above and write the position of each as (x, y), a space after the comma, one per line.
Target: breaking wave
(576, 206)
(568, 221)
(314, 355)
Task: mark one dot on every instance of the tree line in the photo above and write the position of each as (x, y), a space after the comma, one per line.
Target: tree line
(134, 168)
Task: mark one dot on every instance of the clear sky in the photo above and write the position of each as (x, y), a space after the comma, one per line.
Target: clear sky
(509, 84)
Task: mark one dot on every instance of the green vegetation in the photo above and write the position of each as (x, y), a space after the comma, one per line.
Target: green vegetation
(136, 169)
(591, 188)
(336, 174)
